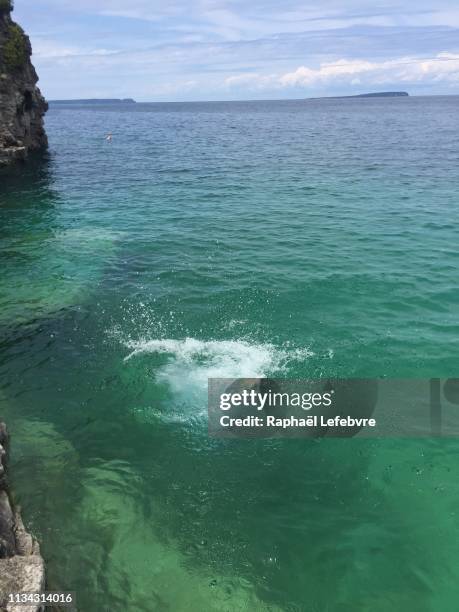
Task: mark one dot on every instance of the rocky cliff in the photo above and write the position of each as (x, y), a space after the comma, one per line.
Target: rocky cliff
(21, 565)
(22, 106)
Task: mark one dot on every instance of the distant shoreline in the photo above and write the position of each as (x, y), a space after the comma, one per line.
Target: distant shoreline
(381, 94)
(95, 101)
(138, 103)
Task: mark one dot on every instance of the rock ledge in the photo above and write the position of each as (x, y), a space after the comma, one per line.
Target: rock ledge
(21, 565)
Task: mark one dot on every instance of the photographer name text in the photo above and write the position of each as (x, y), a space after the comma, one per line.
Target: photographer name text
(291, 421)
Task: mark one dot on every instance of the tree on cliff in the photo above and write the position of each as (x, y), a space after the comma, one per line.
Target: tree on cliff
(6, 6)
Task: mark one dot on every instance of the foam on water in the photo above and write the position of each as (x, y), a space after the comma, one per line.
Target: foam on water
(192, 361)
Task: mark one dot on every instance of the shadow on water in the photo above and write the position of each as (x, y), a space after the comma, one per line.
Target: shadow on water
(28, 185)
(27, 204)
(51, 259)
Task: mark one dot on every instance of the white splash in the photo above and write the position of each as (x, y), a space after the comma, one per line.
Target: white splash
(191, 361)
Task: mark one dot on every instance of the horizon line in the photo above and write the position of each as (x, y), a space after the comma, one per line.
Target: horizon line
(130, 100)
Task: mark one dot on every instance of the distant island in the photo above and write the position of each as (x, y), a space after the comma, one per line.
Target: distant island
(379, 94)
(95, 101)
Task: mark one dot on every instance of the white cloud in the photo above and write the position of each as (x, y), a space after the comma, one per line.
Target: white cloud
(304, 76)
(49, 49)
(242, 20)
(444, 67)
(250, 80)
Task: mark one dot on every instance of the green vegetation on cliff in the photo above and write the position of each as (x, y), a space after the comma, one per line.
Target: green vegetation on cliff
(15, 49)
(6, 6)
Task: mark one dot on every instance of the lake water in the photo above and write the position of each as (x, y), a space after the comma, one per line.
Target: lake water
(298, 238)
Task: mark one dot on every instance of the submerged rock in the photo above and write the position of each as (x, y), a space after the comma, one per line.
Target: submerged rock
(22, 106)
(21, 565)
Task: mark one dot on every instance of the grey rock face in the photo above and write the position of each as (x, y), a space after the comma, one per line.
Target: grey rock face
(21, 565)
(22, 106)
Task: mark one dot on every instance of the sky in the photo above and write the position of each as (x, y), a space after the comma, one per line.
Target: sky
(180, 50)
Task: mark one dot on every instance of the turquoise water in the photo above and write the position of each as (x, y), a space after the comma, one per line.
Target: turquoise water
(293, 239)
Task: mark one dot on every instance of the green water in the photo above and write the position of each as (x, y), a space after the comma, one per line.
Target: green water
(241, 239)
